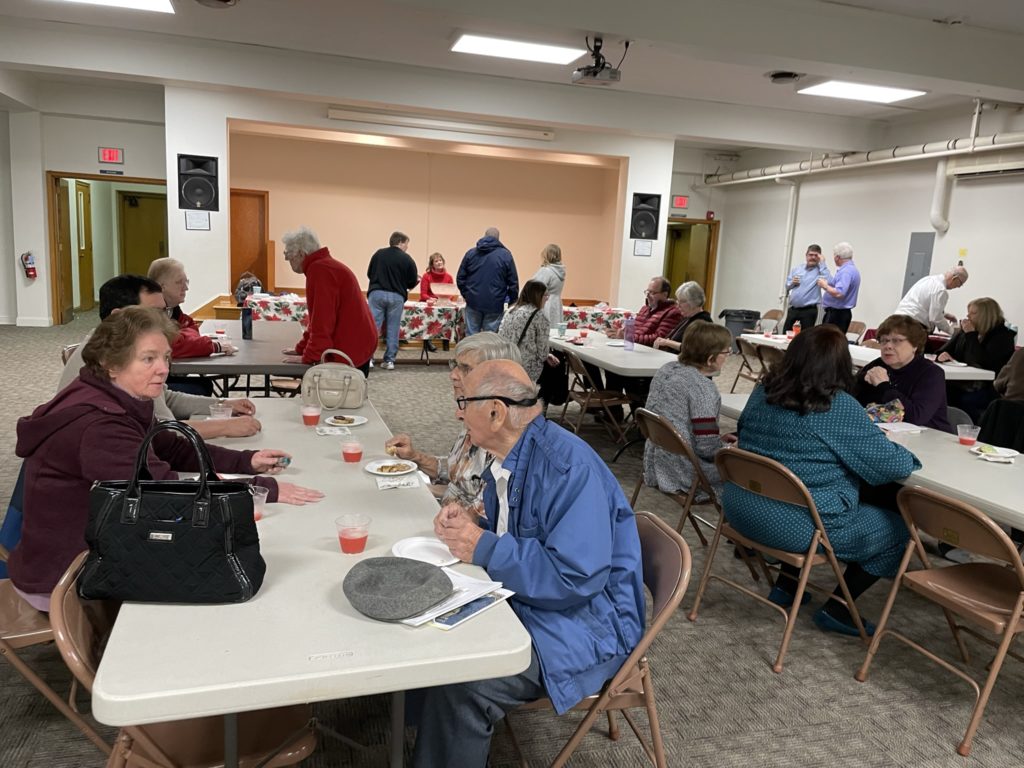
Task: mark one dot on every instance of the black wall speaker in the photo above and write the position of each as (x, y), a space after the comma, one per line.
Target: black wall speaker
(643, 223)
(197, 183)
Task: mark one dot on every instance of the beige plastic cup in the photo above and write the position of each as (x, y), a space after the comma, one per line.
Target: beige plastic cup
(353, 529)
(259, 500)
(220, 411)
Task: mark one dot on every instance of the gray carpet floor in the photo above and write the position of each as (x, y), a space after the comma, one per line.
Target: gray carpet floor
(720, 704)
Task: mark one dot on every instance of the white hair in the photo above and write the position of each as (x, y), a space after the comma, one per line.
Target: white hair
(843, 250)
(302, 241)
(690, 293)
(495, 382)
(488, 346)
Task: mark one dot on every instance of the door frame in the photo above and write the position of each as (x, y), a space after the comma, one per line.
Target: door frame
(119, 198)
(714, 224)
(53, 179)
(86, 299)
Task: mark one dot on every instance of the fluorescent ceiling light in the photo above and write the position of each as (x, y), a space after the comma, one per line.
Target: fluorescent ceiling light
(160, 6)
(514, 49)
(838, 89)
(409, 121)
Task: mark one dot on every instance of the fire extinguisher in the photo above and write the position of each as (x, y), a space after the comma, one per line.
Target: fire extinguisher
(28, 263)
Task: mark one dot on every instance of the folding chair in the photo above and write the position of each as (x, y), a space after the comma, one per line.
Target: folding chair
(22, 626)
(987, 594)
(770, 479)
(770, 356)
(955, 416)
(66, 352)
(770, 319)
(748, 357)
(856, 329)
(585, 393)
(279, 737)
(666, 563)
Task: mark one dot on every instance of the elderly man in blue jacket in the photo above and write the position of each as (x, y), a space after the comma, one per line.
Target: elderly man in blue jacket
(560, 533)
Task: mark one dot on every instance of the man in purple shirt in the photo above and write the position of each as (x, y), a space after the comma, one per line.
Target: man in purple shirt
(841, 289)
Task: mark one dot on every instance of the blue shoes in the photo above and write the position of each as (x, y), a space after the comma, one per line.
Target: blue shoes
(828, 623)
(781, 597)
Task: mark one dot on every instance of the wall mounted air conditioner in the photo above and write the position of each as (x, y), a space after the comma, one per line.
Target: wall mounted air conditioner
(986, 166)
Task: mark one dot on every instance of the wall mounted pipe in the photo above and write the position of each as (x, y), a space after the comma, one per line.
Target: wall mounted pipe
(940, 223)
(794, 204)
(872, 158)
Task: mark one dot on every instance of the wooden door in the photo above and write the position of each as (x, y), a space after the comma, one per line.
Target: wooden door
(250, 211)
(63, 311)
(83, 210)
(142, 230)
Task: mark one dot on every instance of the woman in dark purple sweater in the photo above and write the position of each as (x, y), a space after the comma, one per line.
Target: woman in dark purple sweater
(902, 373)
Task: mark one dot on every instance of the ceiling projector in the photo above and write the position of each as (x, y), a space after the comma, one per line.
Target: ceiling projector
(600, 72)
(596, 76)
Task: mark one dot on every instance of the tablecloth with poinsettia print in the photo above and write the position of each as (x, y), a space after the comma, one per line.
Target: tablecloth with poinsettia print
(595, 318)
(419, 319)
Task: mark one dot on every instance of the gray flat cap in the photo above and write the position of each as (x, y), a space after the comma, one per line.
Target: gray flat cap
(394, 588)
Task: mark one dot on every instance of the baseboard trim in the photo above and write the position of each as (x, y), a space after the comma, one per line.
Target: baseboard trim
(34, 322)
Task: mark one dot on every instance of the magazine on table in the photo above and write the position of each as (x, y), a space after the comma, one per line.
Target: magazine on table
(467, 589)
(469, 610)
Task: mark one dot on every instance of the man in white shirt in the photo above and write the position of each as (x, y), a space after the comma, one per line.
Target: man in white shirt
(926, 300)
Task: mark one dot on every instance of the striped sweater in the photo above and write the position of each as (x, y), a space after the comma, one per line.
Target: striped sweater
(691, 401)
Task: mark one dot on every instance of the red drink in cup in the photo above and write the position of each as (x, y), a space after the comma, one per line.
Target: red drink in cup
(352, 545)
(353, 530)
(967, 433)
(311, 415)
(352, 452)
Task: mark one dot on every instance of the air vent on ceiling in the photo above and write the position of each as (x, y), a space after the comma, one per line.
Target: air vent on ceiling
(783, 77)
(217, 3)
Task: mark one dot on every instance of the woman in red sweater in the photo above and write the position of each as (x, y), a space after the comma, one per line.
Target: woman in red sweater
(436, 273)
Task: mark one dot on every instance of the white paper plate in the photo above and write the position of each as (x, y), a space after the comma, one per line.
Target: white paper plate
(373, 467)
(342, 421)
(994, 450)
(426, 549)
(616, 343)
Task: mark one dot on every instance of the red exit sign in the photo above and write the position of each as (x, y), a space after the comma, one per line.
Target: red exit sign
(112, 155)
(680, 201)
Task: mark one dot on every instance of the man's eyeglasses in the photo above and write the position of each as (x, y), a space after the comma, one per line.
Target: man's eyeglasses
(524, 403)
(462, 367)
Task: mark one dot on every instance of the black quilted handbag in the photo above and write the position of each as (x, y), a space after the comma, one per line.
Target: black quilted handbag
(172, 541)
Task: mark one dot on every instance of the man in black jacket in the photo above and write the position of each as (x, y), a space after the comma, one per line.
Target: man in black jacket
(392, 273)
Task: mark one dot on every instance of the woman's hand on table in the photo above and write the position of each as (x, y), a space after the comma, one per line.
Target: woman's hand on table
(400, 446)
(614, 333)
(296, 495)
(239, 426)
(876, 376)
(268, 461)
(292, 359)
(943, 357)
(227, 347)
(730, 438)
(667, 344)
(290, 351)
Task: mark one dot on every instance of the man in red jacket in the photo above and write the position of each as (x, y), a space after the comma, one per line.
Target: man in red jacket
(170, 273)
(339, 317)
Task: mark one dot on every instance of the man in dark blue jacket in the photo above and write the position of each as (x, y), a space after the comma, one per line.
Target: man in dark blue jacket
(558, 532)
(487, 279)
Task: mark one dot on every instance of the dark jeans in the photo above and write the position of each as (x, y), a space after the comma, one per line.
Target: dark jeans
(807, 316)
(838, 317)
(192, 385)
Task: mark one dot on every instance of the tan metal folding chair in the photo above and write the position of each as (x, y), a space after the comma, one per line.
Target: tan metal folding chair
(856, 329)
(666, 563)
(989, 595)
(586, 394)
(749, 357)
(871, 344)
(770, 357)
(22, 626)
(280, 737)
(66, 352)
(770, 320)
(768, 478)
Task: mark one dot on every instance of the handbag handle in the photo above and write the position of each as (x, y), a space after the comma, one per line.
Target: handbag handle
(201, 502)
(339, 353)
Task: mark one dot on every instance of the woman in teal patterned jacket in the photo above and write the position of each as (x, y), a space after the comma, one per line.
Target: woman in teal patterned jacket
(804, 418)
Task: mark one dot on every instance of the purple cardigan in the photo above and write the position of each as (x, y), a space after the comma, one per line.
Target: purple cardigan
(920, 385)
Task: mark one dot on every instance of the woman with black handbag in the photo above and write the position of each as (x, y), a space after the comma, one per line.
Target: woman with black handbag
(93, 430)
(526, 326)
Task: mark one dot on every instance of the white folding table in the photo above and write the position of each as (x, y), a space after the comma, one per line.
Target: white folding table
(299, 640)
(640, 361)
(861, 356)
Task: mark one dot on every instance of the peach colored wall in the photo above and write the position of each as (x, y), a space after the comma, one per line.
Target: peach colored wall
(355, 196)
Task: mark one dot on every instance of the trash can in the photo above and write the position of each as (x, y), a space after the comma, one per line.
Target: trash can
(738, 321)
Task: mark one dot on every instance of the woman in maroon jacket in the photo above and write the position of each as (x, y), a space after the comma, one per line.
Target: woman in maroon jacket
(92, 430)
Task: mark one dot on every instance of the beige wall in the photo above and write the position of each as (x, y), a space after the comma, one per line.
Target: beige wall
(355, 196)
